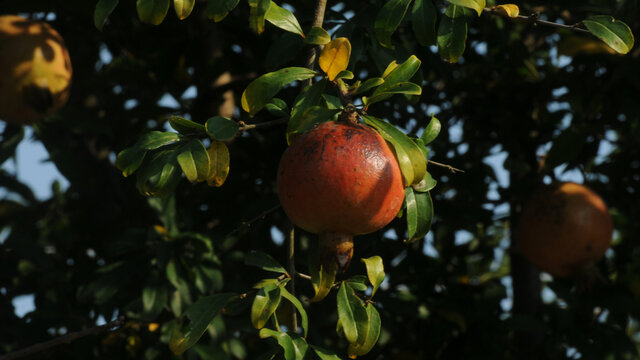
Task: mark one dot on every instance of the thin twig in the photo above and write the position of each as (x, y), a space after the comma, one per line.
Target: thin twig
(307, 277)
(318, 19)
(451, 168)
(292, 273)
(242, 126)
(65, 339)
(535, 20)
(246, 224)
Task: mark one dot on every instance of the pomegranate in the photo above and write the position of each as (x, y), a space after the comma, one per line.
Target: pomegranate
(35, 70)
(339, 180)
(564, 228)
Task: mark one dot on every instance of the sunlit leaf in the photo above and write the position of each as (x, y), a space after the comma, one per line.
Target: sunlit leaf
(369, 84)
(372, 334)
(452, 33)
(388, 20)
(283, 18)
(322, 280)
(221, 128)
(431, 131)
(262, 89)
(104, 8)
(358, 282)
(308, 97)
(615, 33)
(160, 174)
(201, 313)
(194, 161)
(308, 119)
(317, 36)
(218, 163)
(335, 57)
(510, 10)
(283, 339)
(263, 261)
(129, 160)
(152, 11)
(423, 22)
(427, 183)
(477, 5)
(395, 74)
(375, 272)
(345, 314)
(217, 10)
(184, 126)
(419, 213)
(324, 354)
(398, 88)
(257, 11)
(265, 304)
(183, 8)
(155, 139)
(409, 155)
(303, 313)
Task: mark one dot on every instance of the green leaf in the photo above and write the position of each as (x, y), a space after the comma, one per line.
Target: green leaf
(407, 88)
(308, 97)
(263, 261)
(152, 11)
(344, 74)
(257, 11)
(321, 279)
(217, 10)
(317, 36)
(160, 175)
(431, 131)
(284, 19)
(419, 213)
(409, 155)
(324, 354)
(300, 346)
(183, 8)
(398, 74)
(345, 314)
(201, 313)
(153, 300)
(265, 304)
(372, 334)
(369, 84)
(615, 33)
(129, 160)
(155, 139)
(194, 161)
(477, 5)
(262, 89)
(104, 8)
(277, 107)
(375, 272)
(184, 126)
(427, 183)
(423, 22)
(358, 282)
(303, 313)
(452, 33)
(388, 20)
(308, 119)
(221, 128)
(284, 340)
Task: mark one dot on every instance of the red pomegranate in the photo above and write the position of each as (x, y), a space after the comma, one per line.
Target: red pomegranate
(339, 180)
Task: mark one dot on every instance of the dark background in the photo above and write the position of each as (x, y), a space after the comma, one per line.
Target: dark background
(91, 249)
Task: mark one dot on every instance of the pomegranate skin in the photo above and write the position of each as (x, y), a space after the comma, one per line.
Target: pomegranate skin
(340, 178)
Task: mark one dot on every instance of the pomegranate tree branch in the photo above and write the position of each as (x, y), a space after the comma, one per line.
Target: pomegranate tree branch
(451, 168)
(246, 224)
(242, 126)
(292, 273)
(65, 339)
(535, 20)
(318, 19)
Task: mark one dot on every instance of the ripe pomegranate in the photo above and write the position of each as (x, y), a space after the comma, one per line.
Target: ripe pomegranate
(35, 70)
(564, 228)
(339, 180)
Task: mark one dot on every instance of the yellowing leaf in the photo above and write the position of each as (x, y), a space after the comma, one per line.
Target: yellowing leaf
(219, 163)
(509, 10)
(335, 57)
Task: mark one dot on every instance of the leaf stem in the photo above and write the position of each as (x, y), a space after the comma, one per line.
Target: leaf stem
(451, 168)
(242, 126)
(533, 18)
(292, 273)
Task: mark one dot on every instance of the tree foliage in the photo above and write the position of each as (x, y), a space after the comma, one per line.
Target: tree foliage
(171, 139)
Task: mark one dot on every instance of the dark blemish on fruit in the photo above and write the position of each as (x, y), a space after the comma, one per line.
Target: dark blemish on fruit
(324, 144)
(311, 149)
(349, 133)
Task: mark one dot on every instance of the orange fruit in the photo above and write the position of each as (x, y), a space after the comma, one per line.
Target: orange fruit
(35, 70)
(564, 228)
